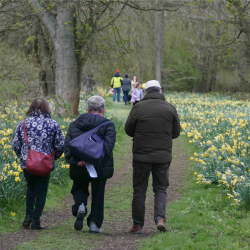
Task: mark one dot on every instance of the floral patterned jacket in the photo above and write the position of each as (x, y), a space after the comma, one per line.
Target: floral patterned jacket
(44, 136)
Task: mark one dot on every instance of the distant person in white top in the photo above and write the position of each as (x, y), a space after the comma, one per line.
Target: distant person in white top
(133, 83)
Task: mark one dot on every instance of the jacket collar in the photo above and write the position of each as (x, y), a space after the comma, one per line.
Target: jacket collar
(154, 96)
(40, 113)
(89, 121)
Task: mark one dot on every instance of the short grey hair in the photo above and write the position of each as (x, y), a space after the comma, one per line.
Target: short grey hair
(153, 90)
(96, 104)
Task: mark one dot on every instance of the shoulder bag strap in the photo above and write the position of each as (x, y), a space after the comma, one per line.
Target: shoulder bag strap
(98, 127)
(25, 134)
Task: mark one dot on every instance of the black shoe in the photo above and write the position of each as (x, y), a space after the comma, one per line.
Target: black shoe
(27, 221)
(78, 224)
(36, 225)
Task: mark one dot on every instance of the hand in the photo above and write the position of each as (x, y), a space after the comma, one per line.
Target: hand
(81, 164)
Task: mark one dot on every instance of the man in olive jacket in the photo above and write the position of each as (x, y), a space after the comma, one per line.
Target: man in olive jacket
(152, 123)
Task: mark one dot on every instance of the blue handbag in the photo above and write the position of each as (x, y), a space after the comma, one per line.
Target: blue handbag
(89, 147)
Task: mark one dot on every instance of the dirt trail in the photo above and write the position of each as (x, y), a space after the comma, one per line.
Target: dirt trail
(118, 236)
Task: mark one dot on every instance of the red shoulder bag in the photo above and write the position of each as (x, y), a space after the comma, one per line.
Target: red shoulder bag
(37, 163)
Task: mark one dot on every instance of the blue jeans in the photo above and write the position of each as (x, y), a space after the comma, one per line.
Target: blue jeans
(118, 90)
(125, 96)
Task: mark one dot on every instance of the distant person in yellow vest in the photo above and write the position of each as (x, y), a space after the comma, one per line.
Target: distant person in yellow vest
(116, 82)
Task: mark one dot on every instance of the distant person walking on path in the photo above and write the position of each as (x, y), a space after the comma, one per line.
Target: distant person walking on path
(153, 123)
(134, 81)
(126, 82)
(116, 83)
(78, 170)
(137, 94)
(44, 135)
(88, 83)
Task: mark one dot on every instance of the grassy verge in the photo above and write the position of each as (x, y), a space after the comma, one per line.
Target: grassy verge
(55, 195)
(202, 219)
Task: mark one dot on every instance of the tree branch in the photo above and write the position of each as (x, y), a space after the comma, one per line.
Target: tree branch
(44, 16)
(166, 6)
(115, 18)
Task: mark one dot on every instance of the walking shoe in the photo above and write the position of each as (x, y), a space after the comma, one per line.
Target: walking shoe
(160, 224)
(81, 213)
(93, 228)
(78, 224)
(136, 229)
(27, 221)
(36, 225)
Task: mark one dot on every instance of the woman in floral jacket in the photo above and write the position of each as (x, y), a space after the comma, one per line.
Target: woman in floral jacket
(44, 136)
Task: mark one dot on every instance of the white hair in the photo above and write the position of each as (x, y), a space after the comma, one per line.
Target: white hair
(96, 104)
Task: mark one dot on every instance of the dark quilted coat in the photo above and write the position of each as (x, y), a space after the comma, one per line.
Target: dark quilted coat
(84, 123)
(126, 82)
(153, 123)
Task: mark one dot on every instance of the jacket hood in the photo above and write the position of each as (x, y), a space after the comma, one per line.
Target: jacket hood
(87, 122)
(154, 96)
(117, 75)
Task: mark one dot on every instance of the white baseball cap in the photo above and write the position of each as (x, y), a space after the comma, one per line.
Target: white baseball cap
(152, 83)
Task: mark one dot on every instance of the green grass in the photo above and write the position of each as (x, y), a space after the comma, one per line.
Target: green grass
(202, 219)
(62, 237)
(54, 197)
(119, 110)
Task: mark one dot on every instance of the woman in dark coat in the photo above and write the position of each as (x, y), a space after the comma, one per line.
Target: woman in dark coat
(45, 136)
(78, 171)
(126, 82)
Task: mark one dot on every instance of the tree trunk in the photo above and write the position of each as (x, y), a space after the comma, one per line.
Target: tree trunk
(204, 74)
(214, 64)
(47, 71)
(159, 45)
(67, 85)
(242, 72)
(43, 83)
(213, 73)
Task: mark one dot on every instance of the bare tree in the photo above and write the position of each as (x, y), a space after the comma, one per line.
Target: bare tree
(159, 44)
(65, 36)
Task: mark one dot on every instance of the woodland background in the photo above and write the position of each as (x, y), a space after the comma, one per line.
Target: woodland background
(49, 47)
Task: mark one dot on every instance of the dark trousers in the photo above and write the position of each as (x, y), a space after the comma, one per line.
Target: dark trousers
(80, 192)
(125, 93)
(37, 188)
(160, 174)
